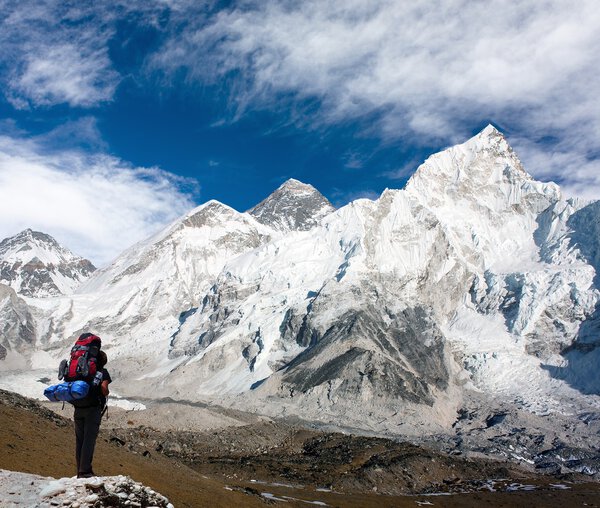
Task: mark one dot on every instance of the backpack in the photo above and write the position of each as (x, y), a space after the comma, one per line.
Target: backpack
(83, 363)
(80, 373)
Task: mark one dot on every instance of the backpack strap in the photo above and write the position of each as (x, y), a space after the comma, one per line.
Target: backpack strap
(79, 347)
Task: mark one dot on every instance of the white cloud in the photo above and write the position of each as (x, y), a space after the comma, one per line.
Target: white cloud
(429, 71)
(577, 175)
(340, 197)
(64, 74)
(96, 205)
(80, 133)
(55, 52)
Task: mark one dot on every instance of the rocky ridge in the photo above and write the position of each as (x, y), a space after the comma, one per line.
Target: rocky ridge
(253, 464)
(17, 324)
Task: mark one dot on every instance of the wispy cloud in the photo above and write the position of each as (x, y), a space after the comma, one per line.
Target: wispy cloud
(82, 133)
(96, 205)
(63, 74)
(403, 171)
(577, 174)
(431, 71)
(54, 52)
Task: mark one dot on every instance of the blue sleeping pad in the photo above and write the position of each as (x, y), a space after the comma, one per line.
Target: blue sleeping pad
(66, 392)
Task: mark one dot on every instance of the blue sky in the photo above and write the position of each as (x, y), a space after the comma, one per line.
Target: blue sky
(117, 117)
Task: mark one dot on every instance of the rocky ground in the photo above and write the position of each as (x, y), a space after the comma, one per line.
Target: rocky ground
(548, 443)
(27, 490)
(236, 459)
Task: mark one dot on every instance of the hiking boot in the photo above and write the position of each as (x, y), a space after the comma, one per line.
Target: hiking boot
(86, 475)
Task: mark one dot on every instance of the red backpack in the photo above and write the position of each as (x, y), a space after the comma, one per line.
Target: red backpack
(83, 363)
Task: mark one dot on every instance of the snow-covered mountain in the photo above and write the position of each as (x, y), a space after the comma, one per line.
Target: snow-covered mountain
(138, 301)
(295, 206)
(386, 314)
(35, 265)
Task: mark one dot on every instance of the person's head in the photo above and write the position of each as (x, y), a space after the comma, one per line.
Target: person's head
(102, 359)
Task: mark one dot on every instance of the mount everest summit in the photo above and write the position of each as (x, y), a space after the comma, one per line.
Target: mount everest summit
(294, 206)
(475, 282)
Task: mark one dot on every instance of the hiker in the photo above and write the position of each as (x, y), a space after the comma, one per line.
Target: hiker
(88, 413)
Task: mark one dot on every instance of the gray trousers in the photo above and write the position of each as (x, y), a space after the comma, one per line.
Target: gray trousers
(87, 426)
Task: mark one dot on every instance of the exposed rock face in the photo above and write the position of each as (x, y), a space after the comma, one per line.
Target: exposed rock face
(35, 265)
(17, 324)
(399, 357)
(294, 206)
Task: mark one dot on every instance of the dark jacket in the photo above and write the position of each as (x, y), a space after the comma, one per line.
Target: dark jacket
(94, 398)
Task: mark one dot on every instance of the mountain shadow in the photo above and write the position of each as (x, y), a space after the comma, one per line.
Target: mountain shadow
(583, 355)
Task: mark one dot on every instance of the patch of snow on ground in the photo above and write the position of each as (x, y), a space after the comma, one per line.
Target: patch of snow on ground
(28, 383)
(126, 404)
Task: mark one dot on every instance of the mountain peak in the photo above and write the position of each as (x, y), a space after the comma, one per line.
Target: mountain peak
(28, 239)
(490, 131)
(485, 172)
(484, 160)
(35, 264)
(209, 213)
(293, 185)
(492, 139)
(294, 206)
